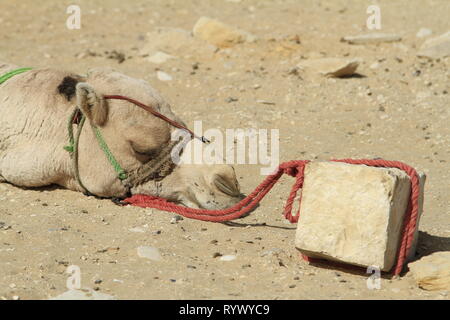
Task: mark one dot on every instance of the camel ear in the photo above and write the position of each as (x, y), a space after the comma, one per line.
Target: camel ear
(91, 104)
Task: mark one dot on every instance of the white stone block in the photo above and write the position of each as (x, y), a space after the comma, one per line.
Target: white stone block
(353, 213)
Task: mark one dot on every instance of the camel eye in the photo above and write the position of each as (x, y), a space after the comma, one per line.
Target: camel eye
(146, 153)
(226, 186)
(141, 152)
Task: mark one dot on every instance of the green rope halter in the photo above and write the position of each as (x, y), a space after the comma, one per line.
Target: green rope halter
(12, 73)
(73, 148)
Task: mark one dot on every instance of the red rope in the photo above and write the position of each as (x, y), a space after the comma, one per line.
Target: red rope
(155, 113)
(295, 169)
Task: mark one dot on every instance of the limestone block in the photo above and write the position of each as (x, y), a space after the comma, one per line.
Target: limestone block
(353, 213)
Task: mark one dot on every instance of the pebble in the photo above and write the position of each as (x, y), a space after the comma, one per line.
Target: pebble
(374, 65)
(271, 252)
(229, 257)
(231, 99)
(163, 76)
(372, 38)
(424, 32)
(147, 252)
(175, 219)
(331, 67)
(137, 229)
(265, 102)
(160, 57)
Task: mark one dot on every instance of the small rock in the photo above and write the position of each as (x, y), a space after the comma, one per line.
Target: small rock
(175, 219)
(220, 34)
(4, 226)
(293, 71)
(265, 102)
(137, 229)
(271, 252)
(16, 298)
(160, 57)
(432, 272)
(231, 99)
(375, 65)
(331, 67)
(162, 76)
(437, 47)
(149, 253)
(424, 32)
(228, 258)
(372, 38)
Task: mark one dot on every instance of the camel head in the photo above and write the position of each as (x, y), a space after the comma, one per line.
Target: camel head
(136, 138)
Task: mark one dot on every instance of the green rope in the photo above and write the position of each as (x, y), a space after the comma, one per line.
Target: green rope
(102, 143)
(12, 73)
(73, 148)
(75, 153)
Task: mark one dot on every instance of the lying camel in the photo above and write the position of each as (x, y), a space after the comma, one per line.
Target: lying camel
(36, 107)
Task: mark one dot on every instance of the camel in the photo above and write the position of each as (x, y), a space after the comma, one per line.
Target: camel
(39, 106)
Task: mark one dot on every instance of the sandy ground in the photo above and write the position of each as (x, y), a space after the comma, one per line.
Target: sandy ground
(398, 109)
